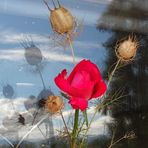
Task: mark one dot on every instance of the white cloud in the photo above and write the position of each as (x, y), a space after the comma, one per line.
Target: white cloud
(87, 44)
(25, 84)
(14, 37)
(98, 127)
(18, 54)
(50, 51)
(99, 1)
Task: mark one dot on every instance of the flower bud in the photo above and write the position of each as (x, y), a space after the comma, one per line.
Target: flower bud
(54, 104)
(127, 49)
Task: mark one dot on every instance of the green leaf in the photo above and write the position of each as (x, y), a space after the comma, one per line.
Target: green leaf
(64, 95)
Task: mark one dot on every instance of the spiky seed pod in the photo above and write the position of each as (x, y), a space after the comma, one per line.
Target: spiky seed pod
(62, 20)
(54, 104)
(127, 49)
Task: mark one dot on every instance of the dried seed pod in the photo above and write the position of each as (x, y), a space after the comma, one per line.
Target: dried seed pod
(62, 20)
(54, 104)
(127, 49)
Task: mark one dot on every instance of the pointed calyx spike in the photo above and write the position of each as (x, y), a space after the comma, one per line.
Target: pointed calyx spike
(54, 4)
(47, 5)
(59, 3)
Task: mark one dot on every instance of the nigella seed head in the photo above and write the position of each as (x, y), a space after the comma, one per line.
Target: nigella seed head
(61, 20)
(126, 50)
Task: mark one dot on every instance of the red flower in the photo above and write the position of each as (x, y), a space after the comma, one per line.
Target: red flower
(84, 83)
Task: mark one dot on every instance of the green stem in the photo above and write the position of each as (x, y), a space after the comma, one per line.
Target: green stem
(75, 128)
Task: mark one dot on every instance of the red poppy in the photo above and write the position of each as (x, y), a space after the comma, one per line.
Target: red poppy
(84, 83)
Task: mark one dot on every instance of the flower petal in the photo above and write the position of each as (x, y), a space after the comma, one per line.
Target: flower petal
(80, 79)
(89, 67)
(99, 89)
(78, 103)
(63, 84)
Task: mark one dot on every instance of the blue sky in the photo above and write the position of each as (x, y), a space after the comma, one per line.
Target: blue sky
(21, 20)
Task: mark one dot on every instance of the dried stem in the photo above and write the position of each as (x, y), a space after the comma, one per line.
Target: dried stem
(80, 129)
(72, 49)
(114, 143)
(65, 126)
(41, 76)
(129, 135)
(113, 72)
(9, 142)
(34, 127)
(113, 136)
(42, 132)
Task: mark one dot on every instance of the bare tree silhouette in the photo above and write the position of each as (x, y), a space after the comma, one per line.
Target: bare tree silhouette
(123, 18)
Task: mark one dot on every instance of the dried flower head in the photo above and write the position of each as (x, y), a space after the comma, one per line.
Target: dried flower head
(126, 50)
(54, 104)
(65, 26)
(61, 20)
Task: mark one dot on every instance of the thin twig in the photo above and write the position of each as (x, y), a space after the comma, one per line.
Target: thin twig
(100, 106)
(80, 129)
(41, 76)
(72, 49)
(42, 133)
(65, 126)
(112, 140)
(34, 127)
(113, 72)
(114, 143)
(34, 117)
(9, 142)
